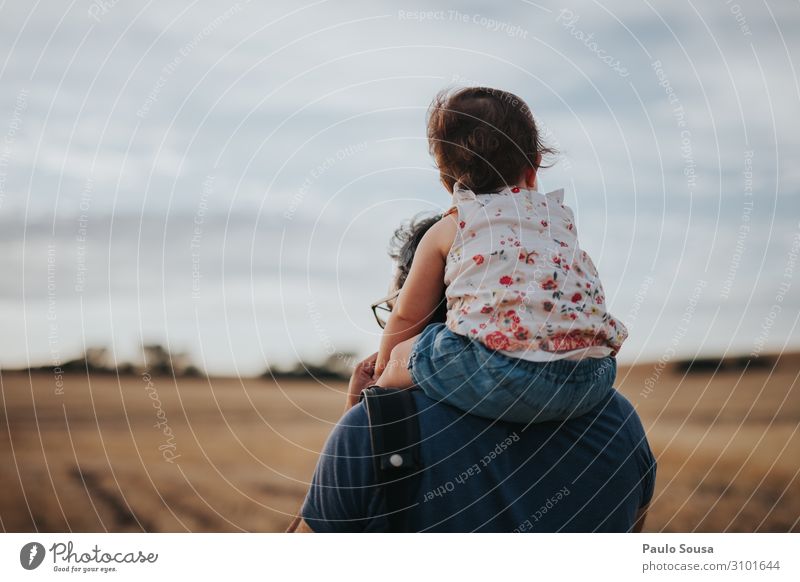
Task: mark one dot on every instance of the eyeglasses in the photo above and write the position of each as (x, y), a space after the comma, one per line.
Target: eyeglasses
(383, 307)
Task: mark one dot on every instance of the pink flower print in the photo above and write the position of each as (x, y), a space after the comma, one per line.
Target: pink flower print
(521, 333)
(478, 259)
(576, 297)
(557, 259)
(548, 305)
(462, 224)
(549, 284)
(496, 341)
(506, 280)
(544, 223)
(510, 320)
(487, 309)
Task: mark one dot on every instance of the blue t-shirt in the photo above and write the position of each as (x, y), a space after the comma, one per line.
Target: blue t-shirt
(591, 473)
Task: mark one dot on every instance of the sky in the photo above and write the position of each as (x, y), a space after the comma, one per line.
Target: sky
(224, 178)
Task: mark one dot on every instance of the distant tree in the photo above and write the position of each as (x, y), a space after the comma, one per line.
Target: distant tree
(97, 358)
(158, 360)
(336, 366)
(340, 364)
(94, 360)
(719, 365)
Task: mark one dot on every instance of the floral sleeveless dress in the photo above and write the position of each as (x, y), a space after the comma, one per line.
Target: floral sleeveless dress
(518, 281)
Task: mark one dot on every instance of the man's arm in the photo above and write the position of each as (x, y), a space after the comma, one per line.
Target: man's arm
(299, 525)
(343, 496)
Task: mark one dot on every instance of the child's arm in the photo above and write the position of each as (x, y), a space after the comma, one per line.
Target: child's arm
(422, 291)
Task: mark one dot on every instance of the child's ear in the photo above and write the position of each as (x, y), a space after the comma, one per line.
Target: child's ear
(530, 178)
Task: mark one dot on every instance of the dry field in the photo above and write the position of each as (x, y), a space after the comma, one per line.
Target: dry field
(230, 455)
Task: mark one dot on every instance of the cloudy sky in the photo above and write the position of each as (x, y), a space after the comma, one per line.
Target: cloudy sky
(224, 178)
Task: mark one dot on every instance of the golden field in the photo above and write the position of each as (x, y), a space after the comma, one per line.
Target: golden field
(222, 454)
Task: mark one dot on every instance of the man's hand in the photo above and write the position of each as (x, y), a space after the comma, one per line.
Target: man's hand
(361, 378)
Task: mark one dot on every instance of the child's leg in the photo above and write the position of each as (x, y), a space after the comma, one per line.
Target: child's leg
(396, 374)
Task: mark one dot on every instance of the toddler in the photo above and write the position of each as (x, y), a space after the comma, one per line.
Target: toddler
(527, 336)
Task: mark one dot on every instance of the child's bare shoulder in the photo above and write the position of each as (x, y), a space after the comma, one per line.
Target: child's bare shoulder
(442, 234)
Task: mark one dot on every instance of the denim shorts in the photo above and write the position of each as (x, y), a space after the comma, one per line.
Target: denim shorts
(466, 374)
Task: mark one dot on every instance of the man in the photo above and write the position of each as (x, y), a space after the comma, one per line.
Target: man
(591, 473)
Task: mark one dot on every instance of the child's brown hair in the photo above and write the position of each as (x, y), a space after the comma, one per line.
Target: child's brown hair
(483, 138)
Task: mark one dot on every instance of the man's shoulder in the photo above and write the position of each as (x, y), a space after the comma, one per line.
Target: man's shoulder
(351, 426)
(622, 402)
(356, 416)
(625, 413)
